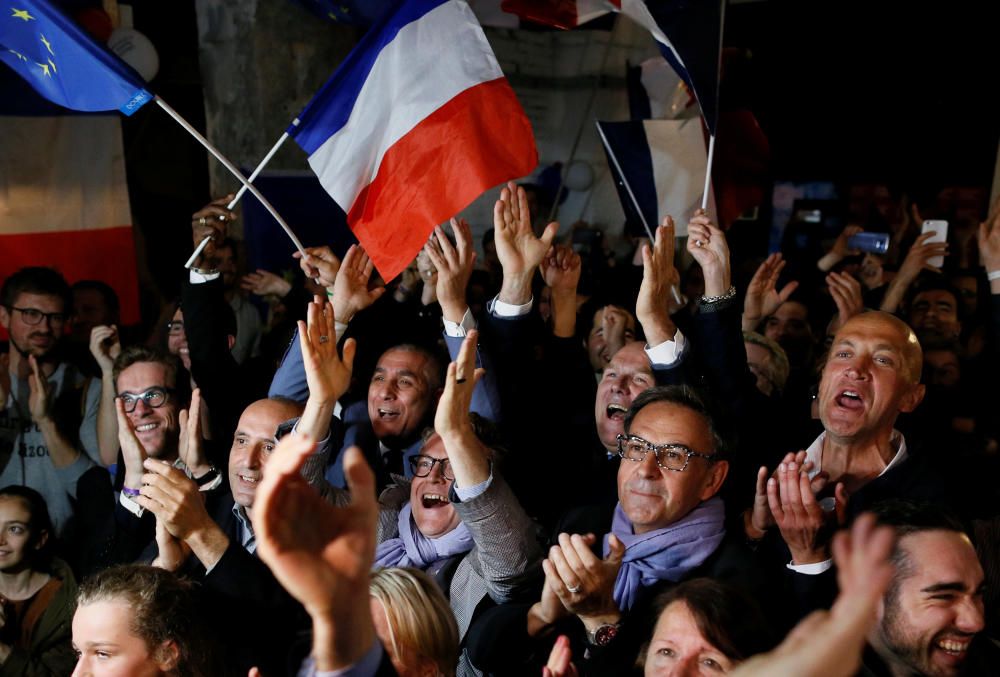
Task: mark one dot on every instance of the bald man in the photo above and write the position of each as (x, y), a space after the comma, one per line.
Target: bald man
(872, 375)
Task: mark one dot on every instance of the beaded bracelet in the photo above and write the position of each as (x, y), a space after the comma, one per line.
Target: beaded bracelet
(131, 493)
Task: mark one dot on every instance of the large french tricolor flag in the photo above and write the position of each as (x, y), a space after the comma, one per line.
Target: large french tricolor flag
(416, 123)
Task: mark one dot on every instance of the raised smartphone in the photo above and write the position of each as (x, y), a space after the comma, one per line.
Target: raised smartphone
(940, 230)
(874, 243)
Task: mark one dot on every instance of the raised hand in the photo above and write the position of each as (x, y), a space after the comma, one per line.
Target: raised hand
(327, 375)
(762, 297)
(805, 526)
(133, 452)
(919, 255)
(840, 250)
(453, 265)
(519, 250)
(190, 446)
(758, 519)
(4, 377)
(171, 551)
(561, 270)
(266, 283)
(320, 264)
(659, 276)
(584, 583)
(829, 643)
(452, 415)
(846, 293)
(39, 392)
(988, 238)
(211, 221)
(351, 294)
(560, 663)
(321, 554)
(707, 244)
(175, 499)
(105, 346)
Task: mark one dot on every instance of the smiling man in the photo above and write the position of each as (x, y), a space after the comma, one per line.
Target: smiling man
(931, 619)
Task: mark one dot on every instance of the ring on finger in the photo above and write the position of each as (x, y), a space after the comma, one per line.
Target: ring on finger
(574, 588)
(202, 221)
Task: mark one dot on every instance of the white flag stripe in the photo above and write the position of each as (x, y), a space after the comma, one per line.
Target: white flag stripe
(677, 148)
(62, 173)
(637, 10)
(438, 42)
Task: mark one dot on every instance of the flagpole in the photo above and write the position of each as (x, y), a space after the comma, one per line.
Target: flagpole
(628, 188)
(263, 163)
(614, 159)
(233, 170)
(708, 172)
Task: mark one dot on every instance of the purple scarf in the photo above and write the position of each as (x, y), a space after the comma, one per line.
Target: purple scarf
(412, 549)
(665, 554)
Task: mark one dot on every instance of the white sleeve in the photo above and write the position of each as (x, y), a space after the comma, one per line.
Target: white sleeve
(500, 309)
(461, 329)
(667, 353)
(813, 569)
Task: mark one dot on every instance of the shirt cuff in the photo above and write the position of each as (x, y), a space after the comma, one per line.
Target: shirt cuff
(461, 329)
(667, 353)
(475, 490)
(814, 569)
(365, 667)
(131, 505)
(500, 309)
(339, 328)
(197, 278)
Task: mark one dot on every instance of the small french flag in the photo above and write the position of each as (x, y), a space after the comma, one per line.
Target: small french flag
(416, 123)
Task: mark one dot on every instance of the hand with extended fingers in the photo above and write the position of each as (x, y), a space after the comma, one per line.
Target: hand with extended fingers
(520, 251)
(805, 524)
(762, 297)
(453, 264)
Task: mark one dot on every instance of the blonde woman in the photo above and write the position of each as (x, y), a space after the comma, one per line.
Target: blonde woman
(414, 623)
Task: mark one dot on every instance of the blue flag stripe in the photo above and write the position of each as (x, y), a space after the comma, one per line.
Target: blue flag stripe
(330, 109)
(631, 148)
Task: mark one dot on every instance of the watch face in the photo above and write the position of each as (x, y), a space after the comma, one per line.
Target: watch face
(604, 634)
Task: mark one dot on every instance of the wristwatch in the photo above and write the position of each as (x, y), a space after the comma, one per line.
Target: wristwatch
(208, 477)
(604, 634)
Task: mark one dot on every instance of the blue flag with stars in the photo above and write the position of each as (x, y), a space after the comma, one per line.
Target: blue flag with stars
(63, 63)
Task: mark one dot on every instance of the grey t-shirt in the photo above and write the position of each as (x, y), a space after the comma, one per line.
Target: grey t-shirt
(24, 456)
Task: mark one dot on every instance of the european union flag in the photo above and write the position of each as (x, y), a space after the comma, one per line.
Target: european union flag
(63, 63)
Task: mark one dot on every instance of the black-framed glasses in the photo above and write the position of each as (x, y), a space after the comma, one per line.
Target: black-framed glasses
(34, 316)
(422, 466)
(175, 327)
(673, 457)
(154, 398)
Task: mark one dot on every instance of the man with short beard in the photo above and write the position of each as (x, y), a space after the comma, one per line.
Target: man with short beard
(40, 394)
(931, 618)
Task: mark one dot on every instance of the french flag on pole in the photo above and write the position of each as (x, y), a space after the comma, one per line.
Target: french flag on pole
(416, 123)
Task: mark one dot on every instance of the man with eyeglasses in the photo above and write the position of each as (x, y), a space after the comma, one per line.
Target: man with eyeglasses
(39, 393)
(610, 560)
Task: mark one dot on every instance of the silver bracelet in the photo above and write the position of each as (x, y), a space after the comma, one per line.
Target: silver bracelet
(708, 300)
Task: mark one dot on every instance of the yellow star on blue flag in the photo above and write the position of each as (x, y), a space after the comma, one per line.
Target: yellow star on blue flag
(80, 74)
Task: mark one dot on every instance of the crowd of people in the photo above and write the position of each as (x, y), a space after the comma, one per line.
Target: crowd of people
(557, 462)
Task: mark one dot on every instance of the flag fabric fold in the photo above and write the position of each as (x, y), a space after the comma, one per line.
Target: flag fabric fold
(688, 33)
(416, 123)
(663, 163)
(64, 64)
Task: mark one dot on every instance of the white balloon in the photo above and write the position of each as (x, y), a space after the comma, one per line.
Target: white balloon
(579, 175)
(136, 50)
